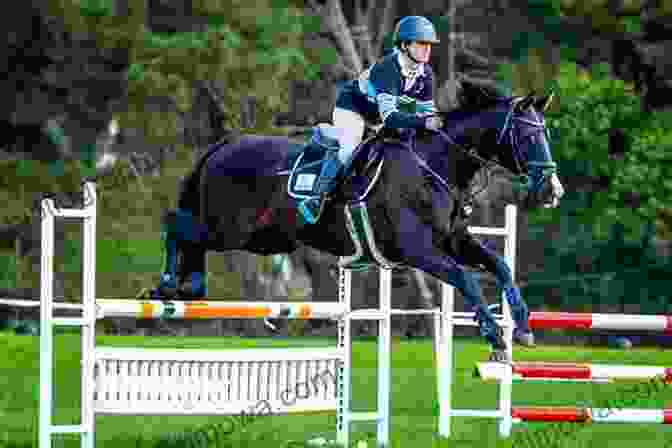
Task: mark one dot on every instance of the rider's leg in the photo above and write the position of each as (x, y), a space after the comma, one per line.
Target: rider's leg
(351, 130)
(350, 127)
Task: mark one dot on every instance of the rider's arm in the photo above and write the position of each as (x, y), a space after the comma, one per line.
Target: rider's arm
(425, 101)
(385, 84)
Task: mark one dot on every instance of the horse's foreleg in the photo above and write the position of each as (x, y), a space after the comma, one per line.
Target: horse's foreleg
(419, 251)
(475, 253)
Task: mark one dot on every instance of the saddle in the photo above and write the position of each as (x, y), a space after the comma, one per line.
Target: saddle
(354, 184)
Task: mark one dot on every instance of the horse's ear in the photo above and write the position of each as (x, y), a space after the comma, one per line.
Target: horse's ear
(543, 103)
(468, 86)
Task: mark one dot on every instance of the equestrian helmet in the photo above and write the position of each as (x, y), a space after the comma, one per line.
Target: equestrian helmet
(415, 28)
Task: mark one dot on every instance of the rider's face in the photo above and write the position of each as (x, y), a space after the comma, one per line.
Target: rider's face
(420, 51)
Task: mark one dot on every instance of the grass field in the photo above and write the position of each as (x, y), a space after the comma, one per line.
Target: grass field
(413, 398)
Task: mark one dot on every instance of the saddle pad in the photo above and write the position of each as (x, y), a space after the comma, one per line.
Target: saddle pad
(305, 172)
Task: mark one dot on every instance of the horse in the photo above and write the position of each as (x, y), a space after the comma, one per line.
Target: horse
(402, 204)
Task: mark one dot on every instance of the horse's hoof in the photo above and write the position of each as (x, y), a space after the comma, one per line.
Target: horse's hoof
(167, 292)
(155, 294)
(524, 338)
(187, 292)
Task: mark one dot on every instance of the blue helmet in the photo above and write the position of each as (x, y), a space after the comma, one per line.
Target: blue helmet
(415, 28)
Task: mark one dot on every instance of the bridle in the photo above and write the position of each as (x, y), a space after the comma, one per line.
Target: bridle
(507, 131)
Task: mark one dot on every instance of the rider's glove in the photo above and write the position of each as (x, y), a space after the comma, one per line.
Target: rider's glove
(433, 123)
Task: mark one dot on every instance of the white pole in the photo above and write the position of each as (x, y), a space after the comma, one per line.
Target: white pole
(506, 385)
(384, 356)
(344, 378)
(46, 336)
(444, 363)
(89, 315)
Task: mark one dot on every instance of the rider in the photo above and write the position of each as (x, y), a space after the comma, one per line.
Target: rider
(396, 91)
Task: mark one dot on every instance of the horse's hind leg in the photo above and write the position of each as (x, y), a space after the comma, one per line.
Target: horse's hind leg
(183, 238)
(192, 271)
(168, 281)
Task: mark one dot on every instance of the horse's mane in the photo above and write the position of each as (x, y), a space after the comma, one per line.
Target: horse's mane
(474, 98)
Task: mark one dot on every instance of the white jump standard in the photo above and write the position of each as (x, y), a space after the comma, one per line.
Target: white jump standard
(226, 382)
(141, 381)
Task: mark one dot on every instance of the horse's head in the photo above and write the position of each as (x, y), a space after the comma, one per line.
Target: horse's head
(524, 148)
(514, 134)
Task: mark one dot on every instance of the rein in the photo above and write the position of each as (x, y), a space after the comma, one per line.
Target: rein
(471, 153)
(507, 130)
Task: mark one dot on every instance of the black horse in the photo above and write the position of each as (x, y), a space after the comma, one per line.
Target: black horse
(402, 204)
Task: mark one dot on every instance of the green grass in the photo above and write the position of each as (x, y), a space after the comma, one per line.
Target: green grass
(413, 395)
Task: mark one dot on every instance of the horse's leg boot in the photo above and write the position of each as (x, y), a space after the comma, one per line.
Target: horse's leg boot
(194, 286)
(180, 226)
(522, 333)
(492, 333)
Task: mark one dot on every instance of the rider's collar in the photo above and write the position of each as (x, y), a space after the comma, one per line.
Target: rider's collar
(408, 67)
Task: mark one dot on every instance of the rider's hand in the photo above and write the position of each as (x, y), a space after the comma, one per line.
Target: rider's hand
(433, 122)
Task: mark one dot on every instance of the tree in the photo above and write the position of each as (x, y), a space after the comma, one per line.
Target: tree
(606, 188)
(613, 156)
(359, 43)
(231, 49)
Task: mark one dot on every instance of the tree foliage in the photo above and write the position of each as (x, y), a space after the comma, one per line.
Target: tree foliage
(252, 48)
(632, 189)
(581, 272)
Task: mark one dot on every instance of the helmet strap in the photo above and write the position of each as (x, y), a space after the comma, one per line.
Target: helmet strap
(410, 56)
(406, 53)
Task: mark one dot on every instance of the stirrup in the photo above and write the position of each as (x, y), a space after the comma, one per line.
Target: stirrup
(307, 213)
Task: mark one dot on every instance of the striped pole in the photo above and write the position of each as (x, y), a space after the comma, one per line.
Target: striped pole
(165, 309)
(591, 415)
(489, 371)
(587, 321)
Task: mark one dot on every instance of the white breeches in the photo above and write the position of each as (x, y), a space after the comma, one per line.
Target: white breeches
(351, 126)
